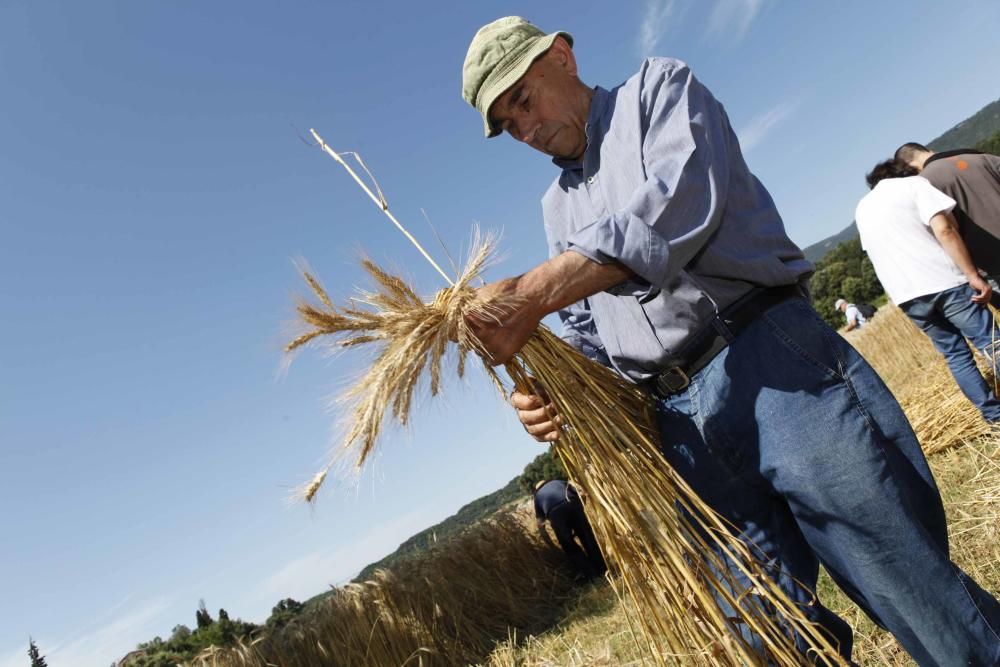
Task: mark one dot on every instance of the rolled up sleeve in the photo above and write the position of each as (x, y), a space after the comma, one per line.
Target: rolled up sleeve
(578, 328)
(674, 213)
(580, 332)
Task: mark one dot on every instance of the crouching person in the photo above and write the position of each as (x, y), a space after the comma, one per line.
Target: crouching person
(557, 502)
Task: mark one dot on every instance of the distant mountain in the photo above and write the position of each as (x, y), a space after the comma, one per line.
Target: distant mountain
(975, 130)
(816, 251)
(984, 124)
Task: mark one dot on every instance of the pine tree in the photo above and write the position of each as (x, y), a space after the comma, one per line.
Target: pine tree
(37, 659)
(227, 629)
(203, 618)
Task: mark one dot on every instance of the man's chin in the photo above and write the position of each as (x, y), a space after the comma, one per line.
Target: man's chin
(557, 149)
(570, 155)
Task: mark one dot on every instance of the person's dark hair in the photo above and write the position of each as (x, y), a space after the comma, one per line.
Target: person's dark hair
(889, 169)
(909, 150)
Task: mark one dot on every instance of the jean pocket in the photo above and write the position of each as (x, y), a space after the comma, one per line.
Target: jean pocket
(715, 422)
(799, 329)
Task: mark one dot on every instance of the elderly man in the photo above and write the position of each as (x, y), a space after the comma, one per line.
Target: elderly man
(670, 263)
(855, 319)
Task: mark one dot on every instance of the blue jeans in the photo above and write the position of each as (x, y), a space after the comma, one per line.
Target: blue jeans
(790, 435)
(948, 318)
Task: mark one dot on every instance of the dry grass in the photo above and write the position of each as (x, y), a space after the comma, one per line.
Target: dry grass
(969, 478)
(919, 377)
(447, 608)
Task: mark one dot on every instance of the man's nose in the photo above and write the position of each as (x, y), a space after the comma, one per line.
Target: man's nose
(524, 129)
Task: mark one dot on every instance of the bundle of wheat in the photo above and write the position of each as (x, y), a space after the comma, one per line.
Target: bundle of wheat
(703, 595)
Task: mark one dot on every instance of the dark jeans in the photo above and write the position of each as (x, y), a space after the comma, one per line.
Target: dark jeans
(568, 522)
(948, 318)
(790, 434)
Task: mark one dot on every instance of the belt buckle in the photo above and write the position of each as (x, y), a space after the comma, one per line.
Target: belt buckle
(672, 380)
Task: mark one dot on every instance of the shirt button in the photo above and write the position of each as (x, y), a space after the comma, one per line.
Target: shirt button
(590, 180)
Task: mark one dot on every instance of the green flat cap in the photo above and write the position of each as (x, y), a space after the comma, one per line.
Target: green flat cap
(499, 55)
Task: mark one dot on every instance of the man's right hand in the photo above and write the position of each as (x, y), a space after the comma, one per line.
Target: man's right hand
(945, 229)
(982, 290)
(537, 415)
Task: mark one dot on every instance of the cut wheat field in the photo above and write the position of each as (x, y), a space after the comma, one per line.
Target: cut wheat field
(498, 596)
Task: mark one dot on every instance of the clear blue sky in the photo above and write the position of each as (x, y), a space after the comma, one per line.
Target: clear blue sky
(153, 190)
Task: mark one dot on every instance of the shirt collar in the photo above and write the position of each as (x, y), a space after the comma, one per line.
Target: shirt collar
(952, 153)
(598, 103)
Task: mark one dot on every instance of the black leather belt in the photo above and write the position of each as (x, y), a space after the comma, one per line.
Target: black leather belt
(711, 340)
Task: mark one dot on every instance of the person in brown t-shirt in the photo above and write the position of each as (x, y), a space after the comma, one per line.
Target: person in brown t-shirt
(972, 179)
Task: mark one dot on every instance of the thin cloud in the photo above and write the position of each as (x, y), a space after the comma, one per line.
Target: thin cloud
(733, 18)
(101, 646)
(313, 573)
(759, 127)
(654, 24)
(19, 657)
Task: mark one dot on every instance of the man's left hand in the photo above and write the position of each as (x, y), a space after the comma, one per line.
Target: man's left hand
(508, 328)
(523, 301)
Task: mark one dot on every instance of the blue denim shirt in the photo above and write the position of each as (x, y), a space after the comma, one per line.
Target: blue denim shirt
(664, 190)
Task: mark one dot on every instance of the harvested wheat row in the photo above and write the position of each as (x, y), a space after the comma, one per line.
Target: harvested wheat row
(447, 607)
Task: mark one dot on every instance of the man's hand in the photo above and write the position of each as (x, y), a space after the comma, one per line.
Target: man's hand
(983, 290)
(515, 320)
(945, 229)
(523, 301)
(537, 415)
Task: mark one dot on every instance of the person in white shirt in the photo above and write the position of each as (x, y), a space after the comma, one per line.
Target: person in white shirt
(908, 230)
(855, 320)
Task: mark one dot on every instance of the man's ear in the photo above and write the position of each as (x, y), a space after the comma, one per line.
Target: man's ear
(563, 56)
